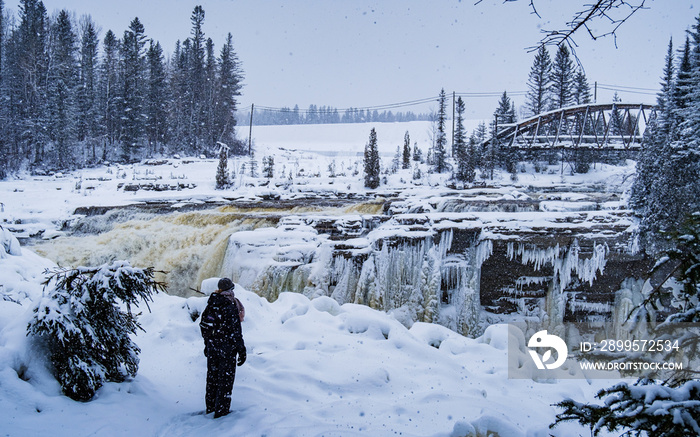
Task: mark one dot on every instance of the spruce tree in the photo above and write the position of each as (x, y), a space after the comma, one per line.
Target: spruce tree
(82, 321)
(406, 157)
(62, 86)
(439, 155)
(651, 155)
(465, 171)
(222, 178)
(230, 84)
(507, 156)
(109, 94)
(88, 110)
(132, 91)
(561, 78)
(581, 89)
(538, 83)
(371, 161)
(268, 167)
(156, 100)
(30, 45)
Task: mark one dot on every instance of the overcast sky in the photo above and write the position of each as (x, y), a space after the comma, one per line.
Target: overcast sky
(352, 53)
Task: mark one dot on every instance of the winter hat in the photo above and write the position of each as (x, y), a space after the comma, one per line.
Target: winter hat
(225, 284)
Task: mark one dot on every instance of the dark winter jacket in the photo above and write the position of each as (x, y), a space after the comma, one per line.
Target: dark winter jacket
(221, 327)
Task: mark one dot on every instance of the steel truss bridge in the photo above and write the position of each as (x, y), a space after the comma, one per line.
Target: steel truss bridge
(594, 126)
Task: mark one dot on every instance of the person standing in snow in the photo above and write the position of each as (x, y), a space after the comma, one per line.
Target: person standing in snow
(223, 343)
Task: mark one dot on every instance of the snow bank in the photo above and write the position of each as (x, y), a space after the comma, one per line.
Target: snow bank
(314, 368)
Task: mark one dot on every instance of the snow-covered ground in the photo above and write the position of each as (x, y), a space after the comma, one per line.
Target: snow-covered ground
(315, 368)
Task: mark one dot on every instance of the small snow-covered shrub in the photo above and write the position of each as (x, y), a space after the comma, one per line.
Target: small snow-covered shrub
(82, 324)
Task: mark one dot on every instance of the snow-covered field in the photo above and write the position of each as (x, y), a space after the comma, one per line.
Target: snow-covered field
(315, 368)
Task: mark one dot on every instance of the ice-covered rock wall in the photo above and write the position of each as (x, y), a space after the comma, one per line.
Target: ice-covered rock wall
(460, 270)
(412, 272)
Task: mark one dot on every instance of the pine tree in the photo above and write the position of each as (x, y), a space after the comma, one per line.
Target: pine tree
(439, 155)
(196, 81)
(268, 167)
(538, 83)
(156, 100)
(417, 155)
(371, 161)
(465, 171)
(681, 94)
(30, 47)
(88, 110)
(503, 115)
(562, 78)
(81, 321)
(406, 158)
(230, 83)
(132, 91)
(62, 87)
(4, 113)
(109, 94)
(651, 155)
(222, 179)
(615, 127)
(581, 89)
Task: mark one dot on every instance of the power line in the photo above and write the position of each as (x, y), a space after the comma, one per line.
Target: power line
(397, 105)
(628, 87)
(627, 91)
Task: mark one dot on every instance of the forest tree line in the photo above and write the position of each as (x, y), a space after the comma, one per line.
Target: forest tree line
(315, 114)
(71, 97)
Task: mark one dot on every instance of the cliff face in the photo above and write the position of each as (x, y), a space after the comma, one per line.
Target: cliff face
(461, 262)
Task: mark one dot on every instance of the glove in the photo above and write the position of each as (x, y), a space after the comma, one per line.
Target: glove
(242, 357)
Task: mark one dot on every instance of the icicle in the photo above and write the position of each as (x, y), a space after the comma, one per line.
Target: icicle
(484, 251)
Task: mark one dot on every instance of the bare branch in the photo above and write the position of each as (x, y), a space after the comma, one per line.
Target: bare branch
(606, 11)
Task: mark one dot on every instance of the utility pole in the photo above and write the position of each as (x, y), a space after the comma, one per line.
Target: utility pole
(595, 92)
(250, 133)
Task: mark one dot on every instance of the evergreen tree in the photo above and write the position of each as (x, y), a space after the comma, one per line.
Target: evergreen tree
(156, 100)
(196, 82)
(562, 78)
(88, 109)
(62, 85)
(210, 101)
(371, 161)
(682, 88)
(81, 320)
(132, 91)
(581, 89)
(268, 167)
(406, 157)
(615, 127)
(439, 155)
(222, 179)
(417, 153)
(109, 94)
(465, 171)
(538, 83)
(651, 155)
(4, 113)
(503, 115)
(230, 84)
(29, 89)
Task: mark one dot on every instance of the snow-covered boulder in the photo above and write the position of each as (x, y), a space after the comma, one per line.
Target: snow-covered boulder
(8, 244)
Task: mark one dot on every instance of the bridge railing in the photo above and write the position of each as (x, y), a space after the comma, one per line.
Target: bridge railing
(608, 125)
